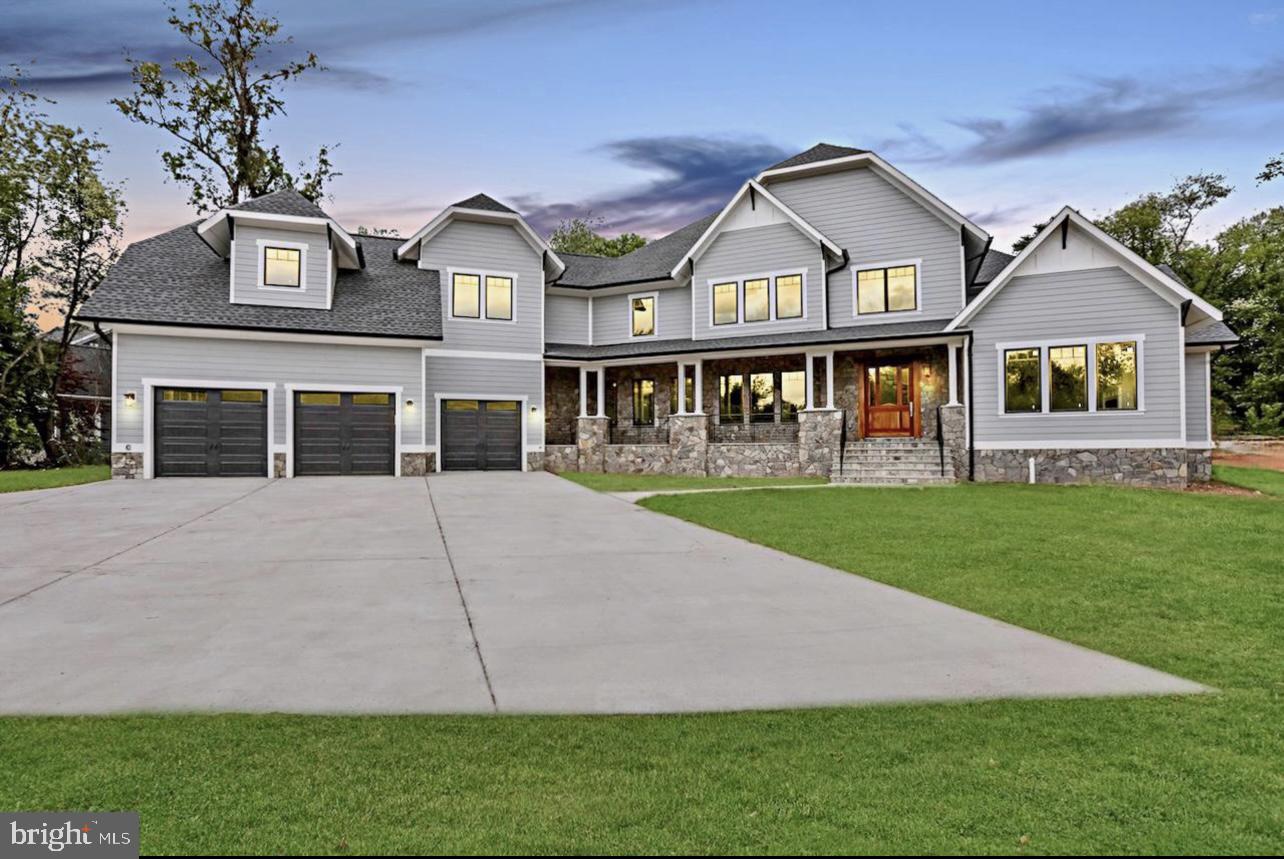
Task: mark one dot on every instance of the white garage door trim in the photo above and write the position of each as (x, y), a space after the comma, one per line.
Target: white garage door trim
(525, 419)
(149, 386)
(292, 387)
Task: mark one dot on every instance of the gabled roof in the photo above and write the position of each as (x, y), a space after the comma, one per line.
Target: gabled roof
(287, 201)
(1210, 332)
(652, 261)
(286, 208)
(483, 202)
(819, 152)
(1151, 275)
(176, 279)
(755, 188)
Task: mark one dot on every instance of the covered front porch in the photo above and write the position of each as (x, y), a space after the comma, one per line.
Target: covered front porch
(765, 413)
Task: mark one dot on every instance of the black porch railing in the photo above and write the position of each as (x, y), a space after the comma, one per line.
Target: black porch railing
(630, 433)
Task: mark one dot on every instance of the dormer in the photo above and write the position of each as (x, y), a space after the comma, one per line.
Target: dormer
(282, 249)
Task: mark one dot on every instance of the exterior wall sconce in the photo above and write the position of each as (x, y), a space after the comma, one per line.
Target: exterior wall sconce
(130, 398)
(534, 410)
(410, 404)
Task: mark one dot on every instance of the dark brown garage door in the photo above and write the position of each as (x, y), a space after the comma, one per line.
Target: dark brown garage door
(481, 435)
(344, 433)
(211, 433)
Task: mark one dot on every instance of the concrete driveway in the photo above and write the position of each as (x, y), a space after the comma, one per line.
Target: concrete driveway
(465, 593)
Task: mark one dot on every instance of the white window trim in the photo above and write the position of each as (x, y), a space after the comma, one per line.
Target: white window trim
(449, 295)
(149, 412)
(739, 281)
(522, 399)
(301, 247)
(1045, 374)
(887, 315)
(655, 314)
(292, 387)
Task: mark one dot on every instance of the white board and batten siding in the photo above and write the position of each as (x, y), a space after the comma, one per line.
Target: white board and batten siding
(146, 356)
(1198, 431)
(480, 248)
(740, 254)
(452, 375)
(878, 224)
(613, 320)
(1069, 308)
(566, 319)
(316, 275)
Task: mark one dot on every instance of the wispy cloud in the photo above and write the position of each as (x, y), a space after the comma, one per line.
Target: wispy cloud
(1100, 111)
(694, 176)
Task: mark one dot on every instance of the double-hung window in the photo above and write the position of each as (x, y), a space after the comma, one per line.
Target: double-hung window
(726, 303)
(891, 289)
(471, 293)
(1090, 376)
(757, 300)
(642, 315)
(789, 300)
(282, 266)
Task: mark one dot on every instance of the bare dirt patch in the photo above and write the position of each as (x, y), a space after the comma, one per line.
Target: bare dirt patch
(1216, 488)
(1272, 458)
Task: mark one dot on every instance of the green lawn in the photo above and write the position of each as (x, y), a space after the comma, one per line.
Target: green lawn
(666, 482)
(1261, 479)
(48, 478)
(1188, 583)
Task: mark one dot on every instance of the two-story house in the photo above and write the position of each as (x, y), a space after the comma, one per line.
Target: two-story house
(834, 318)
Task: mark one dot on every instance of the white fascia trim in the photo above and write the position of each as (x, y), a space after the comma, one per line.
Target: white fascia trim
(301, 247)
(428, 230)
(707, 237)
(292, 387)
(150, 384)
(482, 355)
(281, 336)
(523, 399)
(217, 218)
(115, 402)
(887, 316)
(1081, 444)
(1090, 368)
(1156, 277)
(481, 274)
(739, 281)
(889, 172)
(655, 316)
(800, 349)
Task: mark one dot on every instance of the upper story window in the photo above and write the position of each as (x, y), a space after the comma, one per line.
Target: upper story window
(642, 315)
(1054, 377)
(726, 303)
(477, 295)
(789, 300)
(757, 300)
(887, 289)
(282, 265)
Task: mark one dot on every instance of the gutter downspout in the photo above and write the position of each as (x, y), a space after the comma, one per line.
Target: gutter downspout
(971, 415)
(830, 271)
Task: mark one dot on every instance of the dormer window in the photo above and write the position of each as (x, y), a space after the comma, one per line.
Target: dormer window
(282, 266)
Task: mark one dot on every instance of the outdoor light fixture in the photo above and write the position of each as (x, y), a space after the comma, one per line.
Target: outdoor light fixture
(410, 404)
(534, 410)
(130, 396)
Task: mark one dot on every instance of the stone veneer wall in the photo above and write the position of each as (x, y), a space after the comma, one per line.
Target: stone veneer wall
(535, 460)
(1199, 466)
(126, 466)
(849, 383)
(278, 465)
(753, 460)
(1155, 467)
(637, 459)
(561, 404)
(417, 464)
(561, 457)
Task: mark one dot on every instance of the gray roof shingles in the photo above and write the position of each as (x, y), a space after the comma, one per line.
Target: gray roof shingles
(819, 152)
(849, 334)
(1210, 332)
(284, 202)
(483, 202)
(175, 279)
(653, 261)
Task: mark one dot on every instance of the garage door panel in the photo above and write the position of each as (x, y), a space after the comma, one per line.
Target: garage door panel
(199, 433)
(481, 435)
(344, 433)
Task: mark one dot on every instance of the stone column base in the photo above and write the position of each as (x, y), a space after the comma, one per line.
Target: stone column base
(278, 465)
(417, 464)
(590, 440)
(126, 466)
(689, 444)
(954, 435)
(819, 432)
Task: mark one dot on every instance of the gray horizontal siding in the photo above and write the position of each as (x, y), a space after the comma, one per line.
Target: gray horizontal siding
(566, 319)
(486, 377)
(140, 356)
(494, 248)
(612, 322)
(245, 275)
(737, 254)
(1102, 302)
(876, 222)
(1197, 395)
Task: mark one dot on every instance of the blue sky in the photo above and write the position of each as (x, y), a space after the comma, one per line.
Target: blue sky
(651, 113)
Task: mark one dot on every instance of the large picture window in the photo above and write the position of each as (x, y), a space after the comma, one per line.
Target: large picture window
(642, 315)
(1068, 378)
(731, 403)
(282, 266)
(499, 297)
(1117, 376)
(1022, 389)
(643, 402)
(793, 394)
(789, 300)
(726, 309)
(757, 300)
(887, 290)
(465, 296)
(762, 398)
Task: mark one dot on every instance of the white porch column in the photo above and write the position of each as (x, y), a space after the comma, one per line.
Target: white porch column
(810, 368)
(583, 392)
(682, 388)
(601, 392)
(699, 386)
(829, 380)
(954, 375)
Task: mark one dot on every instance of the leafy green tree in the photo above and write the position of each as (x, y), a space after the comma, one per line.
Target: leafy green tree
(581, 236)
(216, 104)
(1274, 169)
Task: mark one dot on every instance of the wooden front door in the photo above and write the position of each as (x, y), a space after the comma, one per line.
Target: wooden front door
(891, 400)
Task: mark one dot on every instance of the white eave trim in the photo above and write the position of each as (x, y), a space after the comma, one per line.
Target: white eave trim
(706, 238)
(1156, 275)
(869, 159)
(486, 216)
(218, 217)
